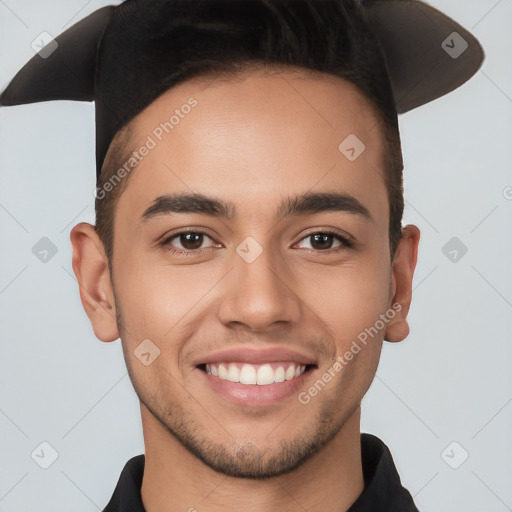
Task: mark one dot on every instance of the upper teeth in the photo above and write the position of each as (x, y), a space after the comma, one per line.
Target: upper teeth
(255, 374)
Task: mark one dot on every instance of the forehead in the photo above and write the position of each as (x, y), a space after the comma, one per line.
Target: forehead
(257, 136)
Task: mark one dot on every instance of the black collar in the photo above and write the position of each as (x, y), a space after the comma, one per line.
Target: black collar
(383, 490)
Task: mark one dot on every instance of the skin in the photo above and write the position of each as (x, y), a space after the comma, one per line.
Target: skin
(253, 140)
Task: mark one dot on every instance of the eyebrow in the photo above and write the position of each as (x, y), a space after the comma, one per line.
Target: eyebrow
(307, 203)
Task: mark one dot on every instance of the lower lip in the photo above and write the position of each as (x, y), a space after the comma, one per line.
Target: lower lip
(254, 395)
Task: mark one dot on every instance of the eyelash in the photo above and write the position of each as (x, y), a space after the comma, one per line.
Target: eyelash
(165, 243)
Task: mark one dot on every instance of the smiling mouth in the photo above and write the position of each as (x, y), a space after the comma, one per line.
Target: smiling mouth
(256, 374)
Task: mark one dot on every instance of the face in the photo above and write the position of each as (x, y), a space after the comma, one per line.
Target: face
(268, 267)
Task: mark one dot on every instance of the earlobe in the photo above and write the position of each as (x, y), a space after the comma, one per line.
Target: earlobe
(90, 265)
(403, 267)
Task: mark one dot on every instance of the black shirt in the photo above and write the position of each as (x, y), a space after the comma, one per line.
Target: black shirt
(382, 491)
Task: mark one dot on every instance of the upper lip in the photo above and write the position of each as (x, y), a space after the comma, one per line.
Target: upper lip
(257, 356)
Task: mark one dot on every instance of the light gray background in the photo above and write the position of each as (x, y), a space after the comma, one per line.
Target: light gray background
(451, 380)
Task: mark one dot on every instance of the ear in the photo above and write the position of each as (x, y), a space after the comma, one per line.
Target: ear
(404, 263)
(90, 265)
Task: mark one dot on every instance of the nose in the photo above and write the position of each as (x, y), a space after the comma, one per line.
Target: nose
(260, 294)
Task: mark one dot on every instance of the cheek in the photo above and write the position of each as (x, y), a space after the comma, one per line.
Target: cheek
(349, 297)
(349, 302)
(156, 299)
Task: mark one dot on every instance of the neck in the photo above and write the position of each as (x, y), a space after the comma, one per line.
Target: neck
(174, 479)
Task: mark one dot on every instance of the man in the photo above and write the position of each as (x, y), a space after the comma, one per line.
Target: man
(248, 247)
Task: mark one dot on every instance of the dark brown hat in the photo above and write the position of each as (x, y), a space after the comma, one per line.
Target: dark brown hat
(118, 56)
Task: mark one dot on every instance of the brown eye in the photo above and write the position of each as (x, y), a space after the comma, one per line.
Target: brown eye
(323, 241)
(189, 241)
